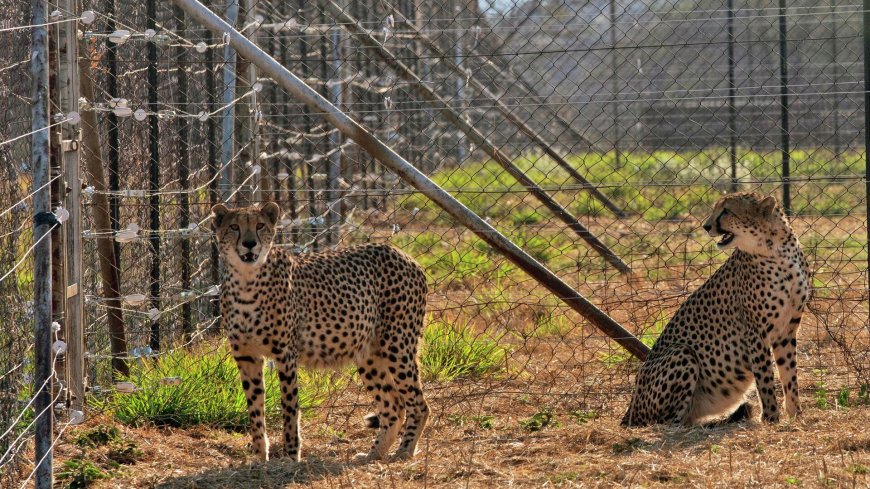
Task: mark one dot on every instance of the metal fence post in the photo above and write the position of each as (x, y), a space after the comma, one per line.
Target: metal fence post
(183, 171)
(42, 374)
(866, 39)
(73, 293)
(333, 213)
(784, 110)
(114, 138)
(732, 93)
(228, 119)
(153, 177)
(614, 84)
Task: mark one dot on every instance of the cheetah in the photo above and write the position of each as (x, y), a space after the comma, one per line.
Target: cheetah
(719, 342)
(363, 305)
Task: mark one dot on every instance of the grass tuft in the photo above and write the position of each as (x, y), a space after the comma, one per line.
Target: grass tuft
(450, 352)
(209, 391)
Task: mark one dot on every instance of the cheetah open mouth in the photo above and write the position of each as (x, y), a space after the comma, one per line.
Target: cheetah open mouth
(248, 257)
(726, 239)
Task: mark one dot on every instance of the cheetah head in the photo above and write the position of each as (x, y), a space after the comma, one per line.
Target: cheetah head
(747, 221)
(245, 234)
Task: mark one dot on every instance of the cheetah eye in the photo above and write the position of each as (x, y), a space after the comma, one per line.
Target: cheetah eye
(234, 227)
(260, 226)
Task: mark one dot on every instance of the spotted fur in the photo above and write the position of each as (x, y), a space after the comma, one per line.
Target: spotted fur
(719, 343)
(362, 305)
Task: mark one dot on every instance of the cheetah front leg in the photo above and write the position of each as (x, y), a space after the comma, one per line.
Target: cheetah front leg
(251, 373)
(784, 350)
(287, 374)
(762, 370)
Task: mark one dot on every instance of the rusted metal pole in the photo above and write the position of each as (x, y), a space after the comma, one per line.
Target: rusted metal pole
(510, 116)
(418, 180)
(479, 139)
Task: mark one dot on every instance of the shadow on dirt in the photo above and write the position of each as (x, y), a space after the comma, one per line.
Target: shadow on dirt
(273, 474)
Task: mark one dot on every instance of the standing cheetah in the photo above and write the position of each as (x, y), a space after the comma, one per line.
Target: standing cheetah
(720, 340)
(364, 305)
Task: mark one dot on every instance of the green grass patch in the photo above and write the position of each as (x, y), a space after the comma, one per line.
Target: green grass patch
(76, 473)
(544, 418)
(452, 351)
(207, 390)
(97, 436)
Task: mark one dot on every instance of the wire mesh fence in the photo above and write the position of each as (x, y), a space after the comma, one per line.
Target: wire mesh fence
(596, 136)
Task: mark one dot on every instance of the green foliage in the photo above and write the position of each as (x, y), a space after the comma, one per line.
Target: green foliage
(540, 420)
(792, 481)
(526, 217)
(582, 417)
(124, 452)
(209, 391)
(843, 397)
(858, 469)
(78, 474)
(451, 351)
(97, 436)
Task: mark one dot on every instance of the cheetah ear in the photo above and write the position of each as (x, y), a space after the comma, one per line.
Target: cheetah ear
(272, 211)
(219, 211)
(767, 206)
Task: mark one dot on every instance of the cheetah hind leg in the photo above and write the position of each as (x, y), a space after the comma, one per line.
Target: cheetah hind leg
(379, 382)
(665, 389)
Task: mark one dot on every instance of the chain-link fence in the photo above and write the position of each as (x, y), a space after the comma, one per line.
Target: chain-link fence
(596, 136)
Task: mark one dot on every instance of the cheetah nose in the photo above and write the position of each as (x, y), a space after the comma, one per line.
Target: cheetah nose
(249, 244)
(707, 227)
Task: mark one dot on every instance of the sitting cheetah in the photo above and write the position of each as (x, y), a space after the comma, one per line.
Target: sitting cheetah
(720, 340)
(364, 305)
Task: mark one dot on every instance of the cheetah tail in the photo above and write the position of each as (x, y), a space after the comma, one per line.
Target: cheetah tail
(372, 421)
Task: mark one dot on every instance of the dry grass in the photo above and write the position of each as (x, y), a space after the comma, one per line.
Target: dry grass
(824, 448)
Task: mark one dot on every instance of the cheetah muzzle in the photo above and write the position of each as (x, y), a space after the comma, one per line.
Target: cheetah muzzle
(364, 305)
(718, 345)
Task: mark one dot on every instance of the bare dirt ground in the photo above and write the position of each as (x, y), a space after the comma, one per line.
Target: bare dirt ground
(829, 448)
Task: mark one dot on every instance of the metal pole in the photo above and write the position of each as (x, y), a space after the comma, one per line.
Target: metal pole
(213, 165)
(42, 373)
(476, 137)
(835, 75)
(732, 94)
(333, 215)
(153, 176)
(183, 169)
(511, 117)
(114, 134)
(418, 180)
(251, 122)
(783, 96)
(228, 119)
(866, 5)
(70, 144)
(459, 94)
(614, 84)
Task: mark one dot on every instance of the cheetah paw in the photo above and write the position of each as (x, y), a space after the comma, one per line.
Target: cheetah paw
(401, 455)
